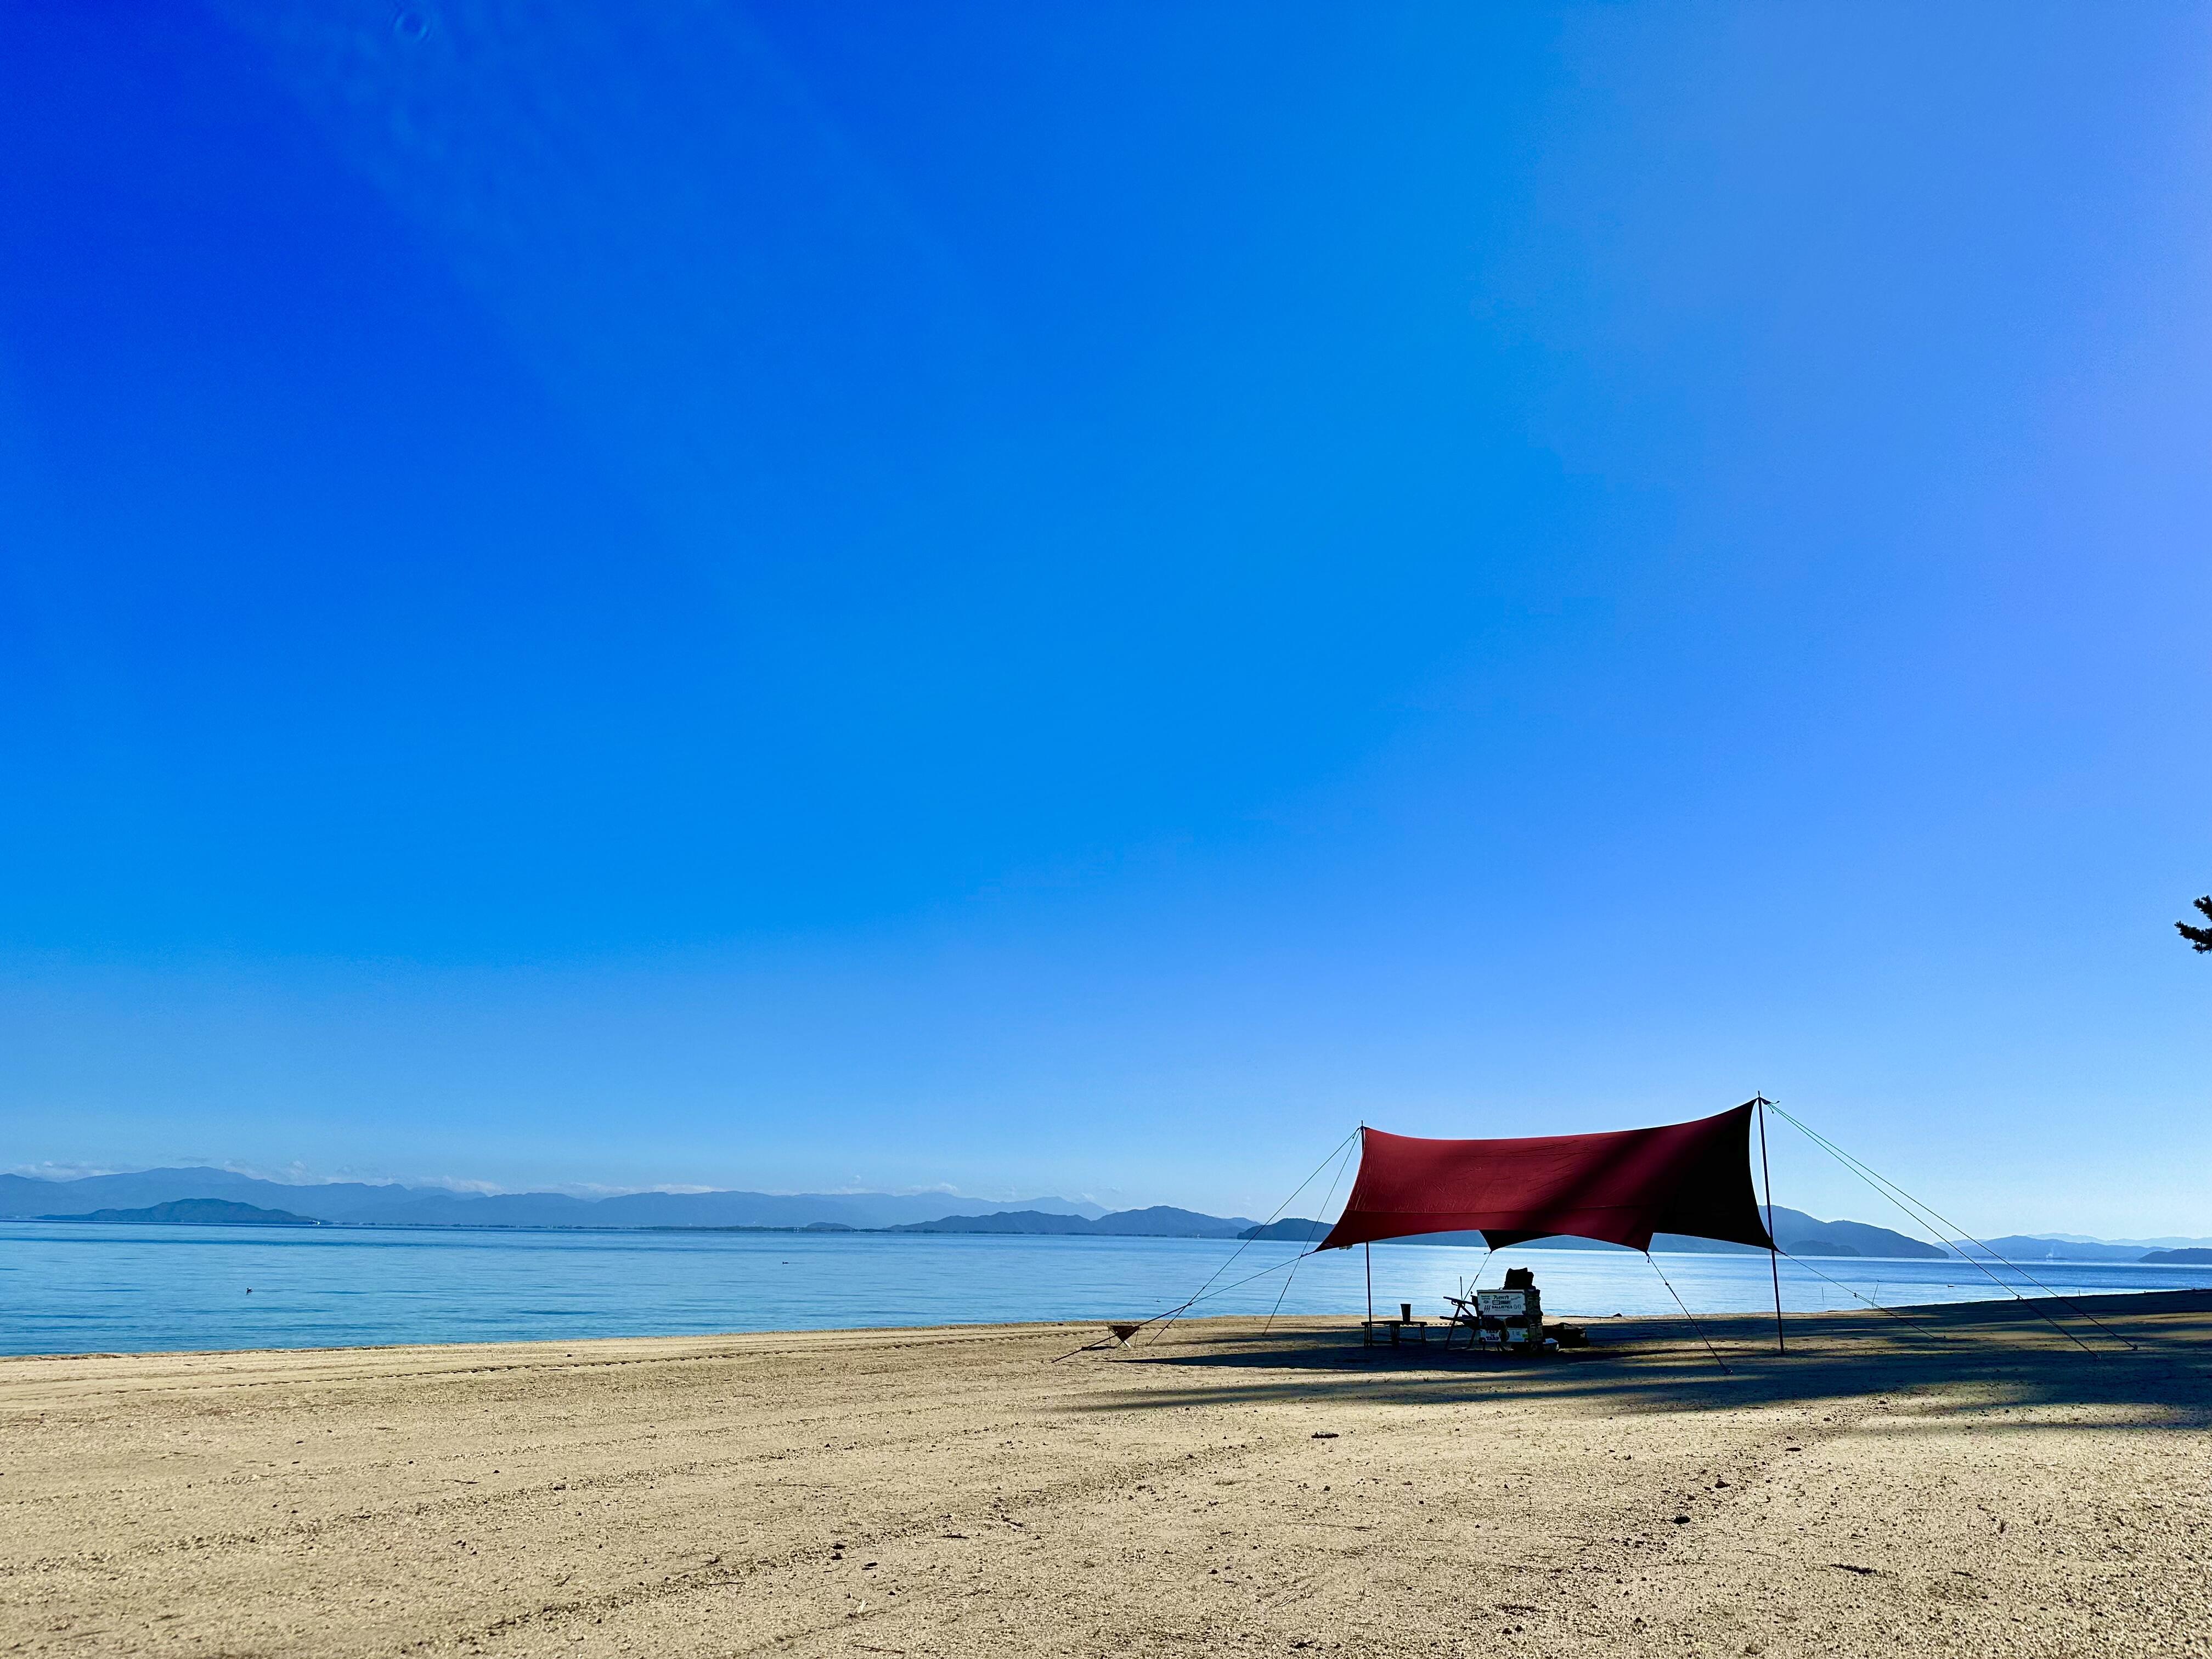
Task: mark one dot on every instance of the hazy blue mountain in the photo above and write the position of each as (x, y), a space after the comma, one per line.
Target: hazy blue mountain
(199, 1212)
(1161, 1221)
(435, 1209)
(338, 1201)
(1291, 1229)
(2163, 1243)
(2015, 1247)
(1164, 1221)
(1799, 1234)
(23, 1196)
(2194, 1256)
(1003, 1221)
(857, 1210)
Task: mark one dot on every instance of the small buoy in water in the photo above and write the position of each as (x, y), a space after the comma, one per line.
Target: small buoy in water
(249, 1290)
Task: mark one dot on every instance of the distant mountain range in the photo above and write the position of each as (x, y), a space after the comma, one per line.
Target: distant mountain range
(23, 1197)
(1161, 1221)
(198, 1195)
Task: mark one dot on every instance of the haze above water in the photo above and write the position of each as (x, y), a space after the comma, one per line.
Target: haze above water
(128, 1289)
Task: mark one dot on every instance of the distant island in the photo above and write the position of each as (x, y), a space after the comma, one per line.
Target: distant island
(209, 1197)
(197, 1213)
(1291, 1229)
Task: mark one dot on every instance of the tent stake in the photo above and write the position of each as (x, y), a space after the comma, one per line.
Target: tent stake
(1773, 1255)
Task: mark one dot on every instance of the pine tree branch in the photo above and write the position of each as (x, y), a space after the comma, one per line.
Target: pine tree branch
(2200, 938)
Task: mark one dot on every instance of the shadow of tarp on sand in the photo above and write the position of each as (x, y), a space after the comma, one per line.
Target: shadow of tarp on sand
(2008, 1349)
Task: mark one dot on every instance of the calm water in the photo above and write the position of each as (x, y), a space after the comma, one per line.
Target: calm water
(83, 1289)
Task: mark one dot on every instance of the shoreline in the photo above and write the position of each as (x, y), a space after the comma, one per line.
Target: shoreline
(1977, 1486)
(1610, 1335)
(1737, 1327)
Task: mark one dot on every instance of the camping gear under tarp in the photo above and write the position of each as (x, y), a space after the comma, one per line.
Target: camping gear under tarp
(1622, 1187)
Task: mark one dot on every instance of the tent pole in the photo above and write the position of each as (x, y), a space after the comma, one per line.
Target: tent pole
(1367, 1248)
(1773, 1255)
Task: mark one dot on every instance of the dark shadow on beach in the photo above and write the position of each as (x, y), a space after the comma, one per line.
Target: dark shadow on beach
(2007, 1354)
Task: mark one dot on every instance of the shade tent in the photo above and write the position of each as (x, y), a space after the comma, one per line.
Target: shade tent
(1622, 1187)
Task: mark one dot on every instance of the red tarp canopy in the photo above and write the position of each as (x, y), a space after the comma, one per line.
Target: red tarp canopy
(1693, 1178)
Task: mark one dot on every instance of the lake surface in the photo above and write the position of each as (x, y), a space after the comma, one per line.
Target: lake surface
(87, 1289)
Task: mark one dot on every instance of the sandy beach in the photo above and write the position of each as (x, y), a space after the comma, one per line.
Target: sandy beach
(1974, 1486)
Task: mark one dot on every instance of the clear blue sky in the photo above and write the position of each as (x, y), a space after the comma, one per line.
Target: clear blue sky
(1075, 598)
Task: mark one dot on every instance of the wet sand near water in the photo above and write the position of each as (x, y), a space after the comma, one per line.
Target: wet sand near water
(1976, 1486)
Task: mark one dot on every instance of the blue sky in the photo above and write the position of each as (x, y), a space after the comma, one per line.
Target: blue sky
(1060, 599)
